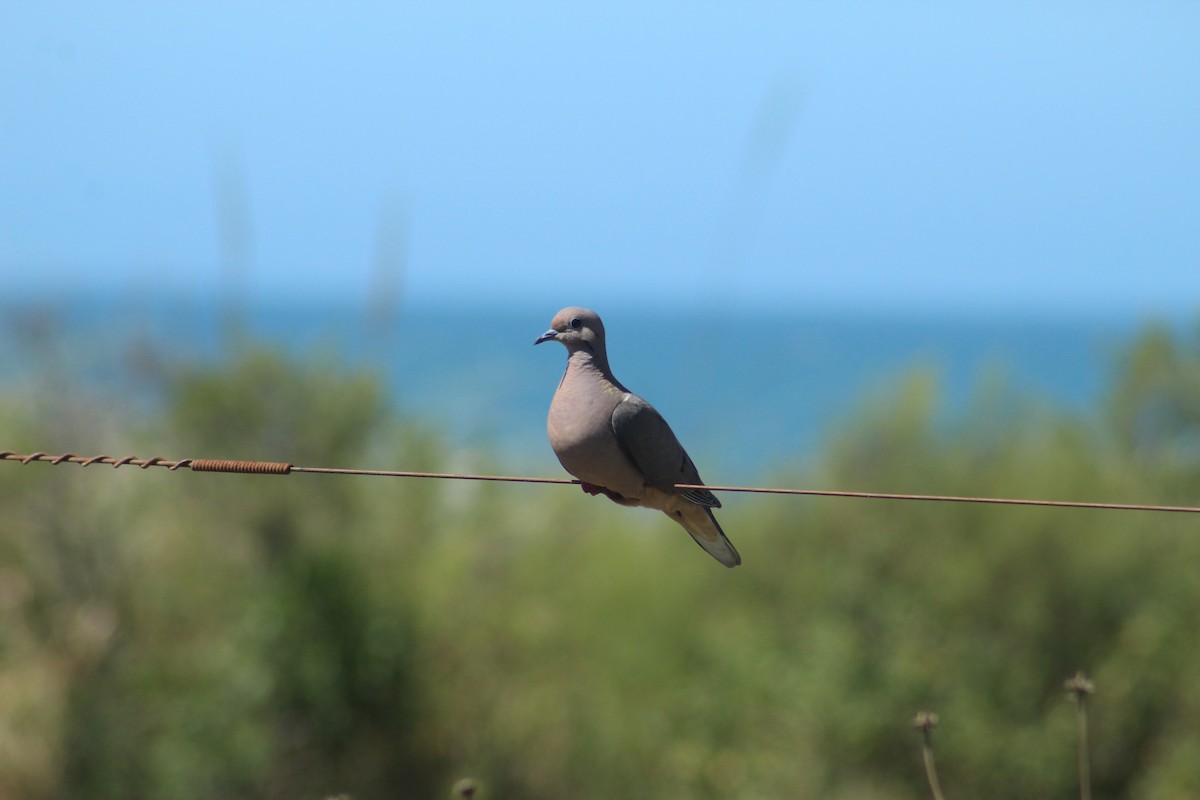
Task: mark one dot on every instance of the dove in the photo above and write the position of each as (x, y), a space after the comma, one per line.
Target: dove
(617, 444)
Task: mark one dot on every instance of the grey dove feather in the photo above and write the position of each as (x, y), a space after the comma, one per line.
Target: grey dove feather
(617, 444)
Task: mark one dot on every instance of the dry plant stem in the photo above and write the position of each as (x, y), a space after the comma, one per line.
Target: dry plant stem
(925, 722)
(1085, 769)
(931, 769)
(1081, 686)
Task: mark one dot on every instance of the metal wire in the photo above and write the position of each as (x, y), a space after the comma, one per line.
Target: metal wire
(282, 468)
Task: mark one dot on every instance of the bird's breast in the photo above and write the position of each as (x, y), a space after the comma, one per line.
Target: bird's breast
(580, 419)
(580, 430)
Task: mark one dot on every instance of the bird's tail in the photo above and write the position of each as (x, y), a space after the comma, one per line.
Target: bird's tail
(702, 525)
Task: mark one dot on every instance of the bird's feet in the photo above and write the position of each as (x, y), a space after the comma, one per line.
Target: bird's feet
(593, 489)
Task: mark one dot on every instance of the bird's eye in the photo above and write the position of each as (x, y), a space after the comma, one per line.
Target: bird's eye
(576, 324)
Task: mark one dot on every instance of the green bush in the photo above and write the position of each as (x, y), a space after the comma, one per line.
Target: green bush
(183, 635)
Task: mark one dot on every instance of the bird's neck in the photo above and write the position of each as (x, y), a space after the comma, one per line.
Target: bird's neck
(587, 360)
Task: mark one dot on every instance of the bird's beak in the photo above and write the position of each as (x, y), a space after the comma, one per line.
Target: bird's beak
(548, 336)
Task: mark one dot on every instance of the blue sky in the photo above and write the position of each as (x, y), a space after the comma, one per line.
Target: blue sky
(929, 157)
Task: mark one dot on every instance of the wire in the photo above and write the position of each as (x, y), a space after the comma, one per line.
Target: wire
(283, 468)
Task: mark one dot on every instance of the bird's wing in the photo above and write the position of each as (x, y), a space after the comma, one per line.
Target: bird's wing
(651, 445)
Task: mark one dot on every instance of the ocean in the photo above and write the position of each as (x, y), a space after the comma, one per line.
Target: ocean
(747, 394)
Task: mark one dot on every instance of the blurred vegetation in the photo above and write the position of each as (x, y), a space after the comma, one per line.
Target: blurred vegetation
(177, 635)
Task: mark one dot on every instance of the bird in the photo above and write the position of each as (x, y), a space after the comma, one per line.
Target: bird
(617, 444)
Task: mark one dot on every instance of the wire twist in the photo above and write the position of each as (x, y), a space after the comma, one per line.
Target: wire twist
(87, 461)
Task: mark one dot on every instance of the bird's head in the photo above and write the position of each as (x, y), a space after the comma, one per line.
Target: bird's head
(577, 328)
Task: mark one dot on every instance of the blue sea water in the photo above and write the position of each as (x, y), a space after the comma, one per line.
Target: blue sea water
(746, 393)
